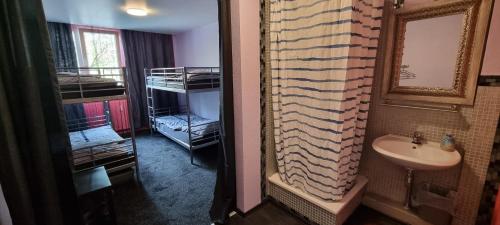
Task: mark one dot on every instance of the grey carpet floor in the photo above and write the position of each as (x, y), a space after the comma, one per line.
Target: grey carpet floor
(172, 191)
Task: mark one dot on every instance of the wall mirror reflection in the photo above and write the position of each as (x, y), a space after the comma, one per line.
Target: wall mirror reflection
(428, 41)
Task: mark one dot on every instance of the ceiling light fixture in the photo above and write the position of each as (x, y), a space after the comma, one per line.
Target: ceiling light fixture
(137, 12)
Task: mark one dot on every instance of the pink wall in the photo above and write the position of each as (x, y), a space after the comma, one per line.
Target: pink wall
(491, 62)
(246, 70)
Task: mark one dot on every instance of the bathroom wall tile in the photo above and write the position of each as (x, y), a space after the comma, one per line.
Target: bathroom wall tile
(491, 185)
(473, 129)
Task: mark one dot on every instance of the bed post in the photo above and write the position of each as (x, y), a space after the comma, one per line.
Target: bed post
(186, 87)
(107, 113)
(149, 97)
(131, 122)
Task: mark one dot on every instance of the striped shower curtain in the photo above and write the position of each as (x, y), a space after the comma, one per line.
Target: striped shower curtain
(322, 62)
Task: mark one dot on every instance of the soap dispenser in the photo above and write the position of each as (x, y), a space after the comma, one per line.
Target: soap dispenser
(448, 143)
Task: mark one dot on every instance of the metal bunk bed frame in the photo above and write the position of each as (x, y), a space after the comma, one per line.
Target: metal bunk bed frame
(120, 77)
(111, 148)
(179, 82)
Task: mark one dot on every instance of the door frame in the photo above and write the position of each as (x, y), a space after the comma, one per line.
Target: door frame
(69, 204)
(227, 100)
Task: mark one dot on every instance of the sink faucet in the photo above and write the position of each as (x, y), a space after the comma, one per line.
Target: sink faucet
(417, 138)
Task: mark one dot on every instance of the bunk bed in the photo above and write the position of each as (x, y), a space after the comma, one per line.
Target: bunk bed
(180, 124)
(94, 142)
(79, 85)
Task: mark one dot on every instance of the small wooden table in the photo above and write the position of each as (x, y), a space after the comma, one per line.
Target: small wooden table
(95, 197)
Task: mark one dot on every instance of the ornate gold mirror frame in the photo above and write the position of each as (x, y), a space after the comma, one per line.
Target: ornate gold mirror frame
(468, 61)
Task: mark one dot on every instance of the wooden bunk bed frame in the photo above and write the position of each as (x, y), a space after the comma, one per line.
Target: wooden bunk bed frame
(99, 84)
(195, 134)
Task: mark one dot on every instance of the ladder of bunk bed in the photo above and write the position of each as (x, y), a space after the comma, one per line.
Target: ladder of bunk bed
(150, 103)
(131, 122)
(151, 109)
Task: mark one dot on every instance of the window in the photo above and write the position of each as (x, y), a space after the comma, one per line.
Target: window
(100, 48)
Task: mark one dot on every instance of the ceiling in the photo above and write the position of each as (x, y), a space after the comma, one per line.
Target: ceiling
(165, 16)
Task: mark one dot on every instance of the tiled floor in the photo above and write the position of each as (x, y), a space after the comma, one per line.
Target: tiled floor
(271, 214)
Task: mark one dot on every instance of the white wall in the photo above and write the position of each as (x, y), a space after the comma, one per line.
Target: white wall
(199, 48)
(438, 36)
(4, 211)
(204, 104)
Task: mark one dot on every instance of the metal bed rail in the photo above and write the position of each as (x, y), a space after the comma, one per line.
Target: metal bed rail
(204, 133)
(167, 111)
(199, 132)
(86, 82)
(199, 135)
(103, 154)
(114, 155)
(154, 113)
(88, 122)
(181, 79)
(107, 154)
(177, 112)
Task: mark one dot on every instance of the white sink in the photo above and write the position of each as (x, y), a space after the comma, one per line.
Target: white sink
(427, 156)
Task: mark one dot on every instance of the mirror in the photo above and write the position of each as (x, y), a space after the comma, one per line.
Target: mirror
(426, 42)
(434, 51)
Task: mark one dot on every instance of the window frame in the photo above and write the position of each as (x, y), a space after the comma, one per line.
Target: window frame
(83, 46)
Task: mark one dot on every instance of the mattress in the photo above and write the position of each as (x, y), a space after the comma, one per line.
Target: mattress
(92, 86)
(97, 144)
(196, 79)
(201, 70)
(199, 126)
(193, 74)
(159, 81)
(102, 153)
(94, 136)
(72, 82)
(201, 76)
(178, 78)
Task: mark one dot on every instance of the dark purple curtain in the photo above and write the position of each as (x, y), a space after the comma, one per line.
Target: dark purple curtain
(63, 53)
(63, 47)
(34, 168)
(146, 50)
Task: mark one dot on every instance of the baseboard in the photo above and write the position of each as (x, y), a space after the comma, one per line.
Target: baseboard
(244, 214)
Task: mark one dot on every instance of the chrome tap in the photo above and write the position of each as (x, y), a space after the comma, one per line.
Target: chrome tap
(417, 138)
